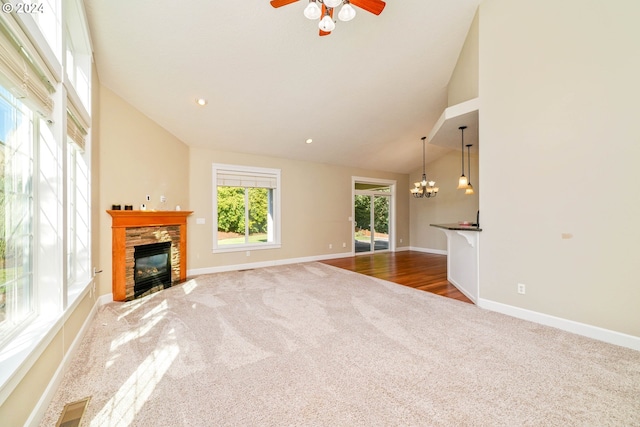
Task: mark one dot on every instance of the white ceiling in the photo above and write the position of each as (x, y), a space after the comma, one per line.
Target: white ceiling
(366, 94)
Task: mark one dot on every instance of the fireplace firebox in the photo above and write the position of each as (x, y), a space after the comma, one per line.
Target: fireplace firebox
(152, 267)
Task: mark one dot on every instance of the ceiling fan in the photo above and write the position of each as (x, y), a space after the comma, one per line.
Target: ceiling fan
(347, 12)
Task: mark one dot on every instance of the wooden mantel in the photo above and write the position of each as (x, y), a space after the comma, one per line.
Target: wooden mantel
(122, 220)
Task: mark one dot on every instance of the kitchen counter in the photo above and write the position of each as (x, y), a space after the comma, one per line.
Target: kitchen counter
(463, 244)
(455, 226)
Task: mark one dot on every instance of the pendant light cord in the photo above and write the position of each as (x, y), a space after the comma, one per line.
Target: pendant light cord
(462, 128)
(469, 163)
(423, 157)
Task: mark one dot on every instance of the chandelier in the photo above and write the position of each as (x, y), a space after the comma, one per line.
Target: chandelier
(424, 188)
(325, 11)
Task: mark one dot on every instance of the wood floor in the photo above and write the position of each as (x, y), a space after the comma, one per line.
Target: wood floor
(427, 272)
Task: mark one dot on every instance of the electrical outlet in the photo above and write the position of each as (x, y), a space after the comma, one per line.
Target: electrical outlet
(163, 199)
(248, 253)
(330, 246)
(344, 244)
(521, 288)
(400, 240)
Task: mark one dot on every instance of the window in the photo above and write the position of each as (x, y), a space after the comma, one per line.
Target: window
(246, 208)
(48, 21)
(16, 214)
(78, 217)
(78, 53)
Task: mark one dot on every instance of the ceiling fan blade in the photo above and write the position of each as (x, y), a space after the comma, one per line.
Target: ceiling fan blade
(324, 11)
(280, 3)
(374, 6)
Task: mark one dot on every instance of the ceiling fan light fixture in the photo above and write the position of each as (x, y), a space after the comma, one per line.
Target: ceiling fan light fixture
(326, 24)
(347, 13)
(332, 3)
(312, 11)
(317, 9)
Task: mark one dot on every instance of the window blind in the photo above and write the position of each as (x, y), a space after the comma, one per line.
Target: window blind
(76, 128)
(230, 178)
(19, 72)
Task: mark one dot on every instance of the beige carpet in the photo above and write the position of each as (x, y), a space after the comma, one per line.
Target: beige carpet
(311, 344)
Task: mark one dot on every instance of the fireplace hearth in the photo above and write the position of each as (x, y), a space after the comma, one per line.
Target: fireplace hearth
(152, 267)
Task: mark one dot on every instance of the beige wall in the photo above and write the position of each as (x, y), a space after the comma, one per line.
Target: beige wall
(559, 135)
(450, 205)
(316, 205)
(463, 84)
(137, 157)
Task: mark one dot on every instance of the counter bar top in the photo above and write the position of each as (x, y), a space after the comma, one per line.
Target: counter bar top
(457, 227)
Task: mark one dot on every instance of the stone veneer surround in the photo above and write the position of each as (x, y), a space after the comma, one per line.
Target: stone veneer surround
(132, 228)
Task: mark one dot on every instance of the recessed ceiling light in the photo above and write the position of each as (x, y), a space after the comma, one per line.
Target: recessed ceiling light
(201, 101)
(309, 141)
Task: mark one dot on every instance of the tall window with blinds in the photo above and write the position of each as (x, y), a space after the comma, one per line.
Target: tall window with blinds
(246, 207)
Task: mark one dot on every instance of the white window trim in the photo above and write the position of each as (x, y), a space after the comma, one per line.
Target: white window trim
(276, 208)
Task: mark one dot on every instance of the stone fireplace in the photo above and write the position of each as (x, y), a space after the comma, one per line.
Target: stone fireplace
(149, 251)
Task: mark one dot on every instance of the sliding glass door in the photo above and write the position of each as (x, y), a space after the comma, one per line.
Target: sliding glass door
(372, 207)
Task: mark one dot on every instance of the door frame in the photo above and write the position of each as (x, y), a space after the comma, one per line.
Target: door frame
(392, 209)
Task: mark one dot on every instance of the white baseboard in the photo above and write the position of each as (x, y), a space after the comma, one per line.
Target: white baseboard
(595, 332)
(104, 299)
(403, 248)
(428, 250)
(236, 267)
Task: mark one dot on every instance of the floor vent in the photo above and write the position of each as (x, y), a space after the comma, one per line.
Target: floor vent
(72, 413)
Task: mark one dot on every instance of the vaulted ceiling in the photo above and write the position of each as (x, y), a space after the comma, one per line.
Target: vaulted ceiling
(365, 94)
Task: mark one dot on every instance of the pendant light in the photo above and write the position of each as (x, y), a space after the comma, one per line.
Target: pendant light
(462, 181)
(469, 189)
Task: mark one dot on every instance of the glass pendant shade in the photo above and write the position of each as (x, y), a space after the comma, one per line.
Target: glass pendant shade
(347, 13)
(326, 24)
(462, 183)
(332, 3)
(469, 189)
(312, 11)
